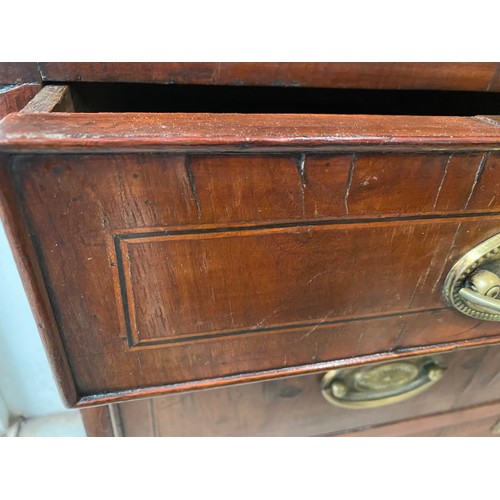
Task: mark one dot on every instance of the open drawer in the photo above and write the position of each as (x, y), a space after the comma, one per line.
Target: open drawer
(177, 250)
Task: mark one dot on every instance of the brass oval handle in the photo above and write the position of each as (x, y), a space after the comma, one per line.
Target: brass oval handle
(382, 384)
(480, 300)
(473, 283)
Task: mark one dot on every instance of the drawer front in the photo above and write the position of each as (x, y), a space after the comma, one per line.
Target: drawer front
(167, 252)
(164, 269)
(482, 421)
(295, 406)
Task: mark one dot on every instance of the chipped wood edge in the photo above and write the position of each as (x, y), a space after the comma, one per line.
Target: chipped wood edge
(491, 119)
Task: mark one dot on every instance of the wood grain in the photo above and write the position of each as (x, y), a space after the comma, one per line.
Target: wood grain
(471, 422)
(295, 407)
(157, 264)
(51, 98)
(97, 421)
(444, 76)
(185, 287)
(249, 296)
(15, 97)
(104, 132)
(19, 72)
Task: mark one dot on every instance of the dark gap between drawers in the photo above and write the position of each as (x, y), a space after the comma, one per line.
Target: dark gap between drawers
(155, 98)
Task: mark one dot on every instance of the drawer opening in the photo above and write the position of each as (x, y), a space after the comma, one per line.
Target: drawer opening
(155, 98)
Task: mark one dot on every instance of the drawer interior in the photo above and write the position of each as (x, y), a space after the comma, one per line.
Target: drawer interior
(155, 98)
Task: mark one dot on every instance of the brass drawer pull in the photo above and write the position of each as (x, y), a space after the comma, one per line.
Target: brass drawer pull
(383, 384)
(473, 283)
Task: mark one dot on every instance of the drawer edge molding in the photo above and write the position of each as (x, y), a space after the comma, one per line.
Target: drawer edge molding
(86, 401)
(106, 132)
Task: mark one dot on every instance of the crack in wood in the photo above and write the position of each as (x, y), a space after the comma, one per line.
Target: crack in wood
(442, 182)
(479, 171)
(349, 182)
(192, 185)
(301, 169)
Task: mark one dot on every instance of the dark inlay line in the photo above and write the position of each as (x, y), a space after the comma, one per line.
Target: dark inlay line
(123, 290)
(146, 343)
(322, 222)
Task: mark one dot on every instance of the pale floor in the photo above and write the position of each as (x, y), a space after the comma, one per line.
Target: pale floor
(67, 424)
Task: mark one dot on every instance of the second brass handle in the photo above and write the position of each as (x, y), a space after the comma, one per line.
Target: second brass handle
(381, 384)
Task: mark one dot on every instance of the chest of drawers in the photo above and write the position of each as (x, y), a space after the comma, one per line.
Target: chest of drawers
(179, 238)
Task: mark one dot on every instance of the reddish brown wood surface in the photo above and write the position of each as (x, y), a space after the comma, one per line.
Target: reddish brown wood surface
(97, 421)
(494, 85)
(17, 73)
(28, 266)
(444, 76)
(317, 246)
(86, 132)
(479, 421)
(11, 213)
(295, 406)
(222, 269)
(15, 97)
(456, 76)
(223, 284)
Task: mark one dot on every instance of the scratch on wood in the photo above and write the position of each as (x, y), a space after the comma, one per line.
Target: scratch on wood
(192, 185)
(349, 182)
(301, 169)
(262, 322)
(398, 336)
(467, 330)
(316, 326)
(479, 171)
(358, 342)
(452, 246)
(317, 276)
(139, 362)
(443, 177)
(410, 302)
(315, 355)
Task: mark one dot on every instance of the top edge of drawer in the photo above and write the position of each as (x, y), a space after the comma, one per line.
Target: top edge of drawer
(243, 132)
(476, 76)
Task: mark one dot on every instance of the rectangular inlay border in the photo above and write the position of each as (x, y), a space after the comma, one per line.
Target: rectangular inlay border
(124, 239)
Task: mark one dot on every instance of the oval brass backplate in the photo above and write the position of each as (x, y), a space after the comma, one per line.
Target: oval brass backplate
(381, 384)
(466, 290)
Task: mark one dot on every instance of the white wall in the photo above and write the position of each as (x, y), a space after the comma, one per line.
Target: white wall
(27, 387)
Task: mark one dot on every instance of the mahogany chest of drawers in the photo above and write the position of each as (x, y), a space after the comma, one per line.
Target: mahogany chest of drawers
(204, 234)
